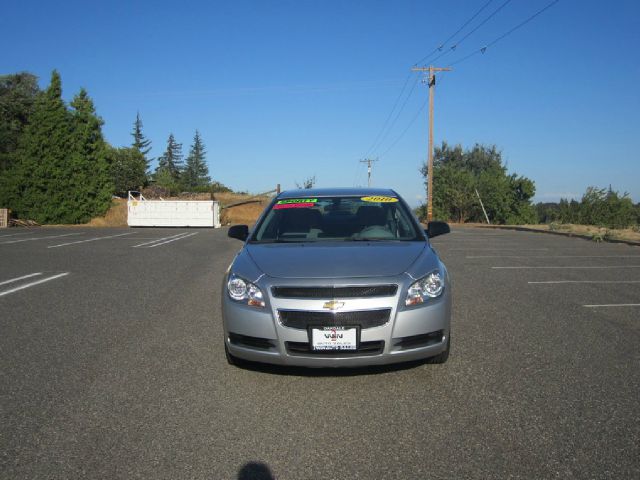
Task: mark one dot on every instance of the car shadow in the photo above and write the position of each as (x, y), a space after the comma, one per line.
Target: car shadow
(327, 371)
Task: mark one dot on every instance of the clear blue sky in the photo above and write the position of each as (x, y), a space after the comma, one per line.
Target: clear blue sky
(283, 90)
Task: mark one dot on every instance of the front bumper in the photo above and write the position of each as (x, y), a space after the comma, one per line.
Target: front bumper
(410, 334)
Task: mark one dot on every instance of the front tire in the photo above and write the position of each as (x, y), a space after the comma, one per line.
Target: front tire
(441, 357)
(231, 360)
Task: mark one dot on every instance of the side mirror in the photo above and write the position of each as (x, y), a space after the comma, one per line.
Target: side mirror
(241, 232)
(437, 228)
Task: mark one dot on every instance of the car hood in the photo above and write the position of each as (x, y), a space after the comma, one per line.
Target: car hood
(335, 260)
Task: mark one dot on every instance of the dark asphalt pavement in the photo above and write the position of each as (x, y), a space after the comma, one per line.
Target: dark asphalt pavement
(117, 369)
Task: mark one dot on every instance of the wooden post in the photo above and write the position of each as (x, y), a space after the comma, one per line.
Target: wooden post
(432, 84)
(5, 214)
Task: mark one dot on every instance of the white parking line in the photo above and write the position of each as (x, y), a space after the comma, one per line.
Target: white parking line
(614, 305)
(559, 267)
(27, 285)
(89, 240)
(169, 241)
(30, 239)
(585, 281)
(160, 240)
(20, 278)
(13, 234)
(553, 256)
(493, 249)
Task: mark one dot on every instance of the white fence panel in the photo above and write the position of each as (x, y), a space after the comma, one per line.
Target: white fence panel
(172, 213)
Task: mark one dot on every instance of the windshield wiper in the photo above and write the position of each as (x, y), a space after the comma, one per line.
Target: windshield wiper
(279, 240)
(371, 239)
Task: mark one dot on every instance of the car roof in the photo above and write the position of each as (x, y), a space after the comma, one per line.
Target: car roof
(338, 192)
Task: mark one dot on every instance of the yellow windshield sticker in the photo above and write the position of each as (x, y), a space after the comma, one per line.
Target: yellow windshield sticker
(379, 199)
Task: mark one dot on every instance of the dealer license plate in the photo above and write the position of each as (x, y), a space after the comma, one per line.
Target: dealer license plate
(334, 338)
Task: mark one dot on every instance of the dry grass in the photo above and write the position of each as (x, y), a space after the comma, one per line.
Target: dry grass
(246, 214)
(116, 216)
(242, 214)
(590, 230)
(597, 233)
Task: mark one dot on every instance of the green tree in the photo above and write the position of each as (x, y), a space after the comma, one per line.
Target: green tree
(196, 171)
(606, 208)
(458, 173)
(164, 179)
(522, 210)
(60, 174)
(547, 212)
(17, 98)
(218, 187)
(127, 168)
(140, 142)
(170, 162)
(34, 185)
(89, 188)
(456, 198)
(598, 206)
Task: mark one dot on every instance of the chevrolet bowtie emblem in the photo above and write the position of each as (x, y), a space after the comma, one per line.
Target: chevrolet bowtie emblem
(333, 305)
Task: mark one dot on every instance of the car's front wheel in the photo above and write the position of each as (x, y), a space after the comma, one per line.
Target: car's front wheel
(441, 357)
(231, 360)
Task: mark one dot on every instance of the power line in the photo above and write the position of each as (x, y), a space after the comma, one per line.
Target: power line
(522, 23)
(466, 57)
(455, 45)
(415, 117)
(506, 34)
(386, 122)
(467, 22)
(356, 176)
(441, 46)
(395, 119)
(411, 122)
(382, 134)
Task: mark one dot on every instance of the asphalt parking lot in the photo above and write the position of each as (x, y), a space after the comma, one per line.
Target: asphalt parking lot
(112, 366)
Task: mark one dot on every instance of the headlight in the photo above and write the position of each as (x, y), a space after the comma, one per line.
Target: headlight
(430, 286)
(242, 291)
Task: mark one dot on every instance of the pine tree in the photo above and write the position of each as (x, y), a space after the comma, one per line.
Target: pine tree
(61, 172)
(127, 169)
(196, 172)
(89, 185)
(170, 162)
(35, 184)
(140, 142)
(17, 96)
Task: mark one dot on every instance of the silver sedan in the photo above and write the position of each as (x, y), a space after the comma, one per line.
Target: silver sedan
(337, 278)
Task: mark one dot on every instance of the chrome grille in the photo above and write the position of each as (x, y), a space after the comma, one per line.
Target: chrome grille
(335, 292)
(302, 319)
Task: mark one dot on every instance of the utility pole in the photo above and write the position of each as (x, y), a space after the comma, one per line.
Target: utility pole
(368, 161)
(432, 84)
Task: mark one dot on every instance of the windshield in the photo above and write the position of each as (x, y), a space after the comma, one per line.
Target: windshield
(337, 219)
